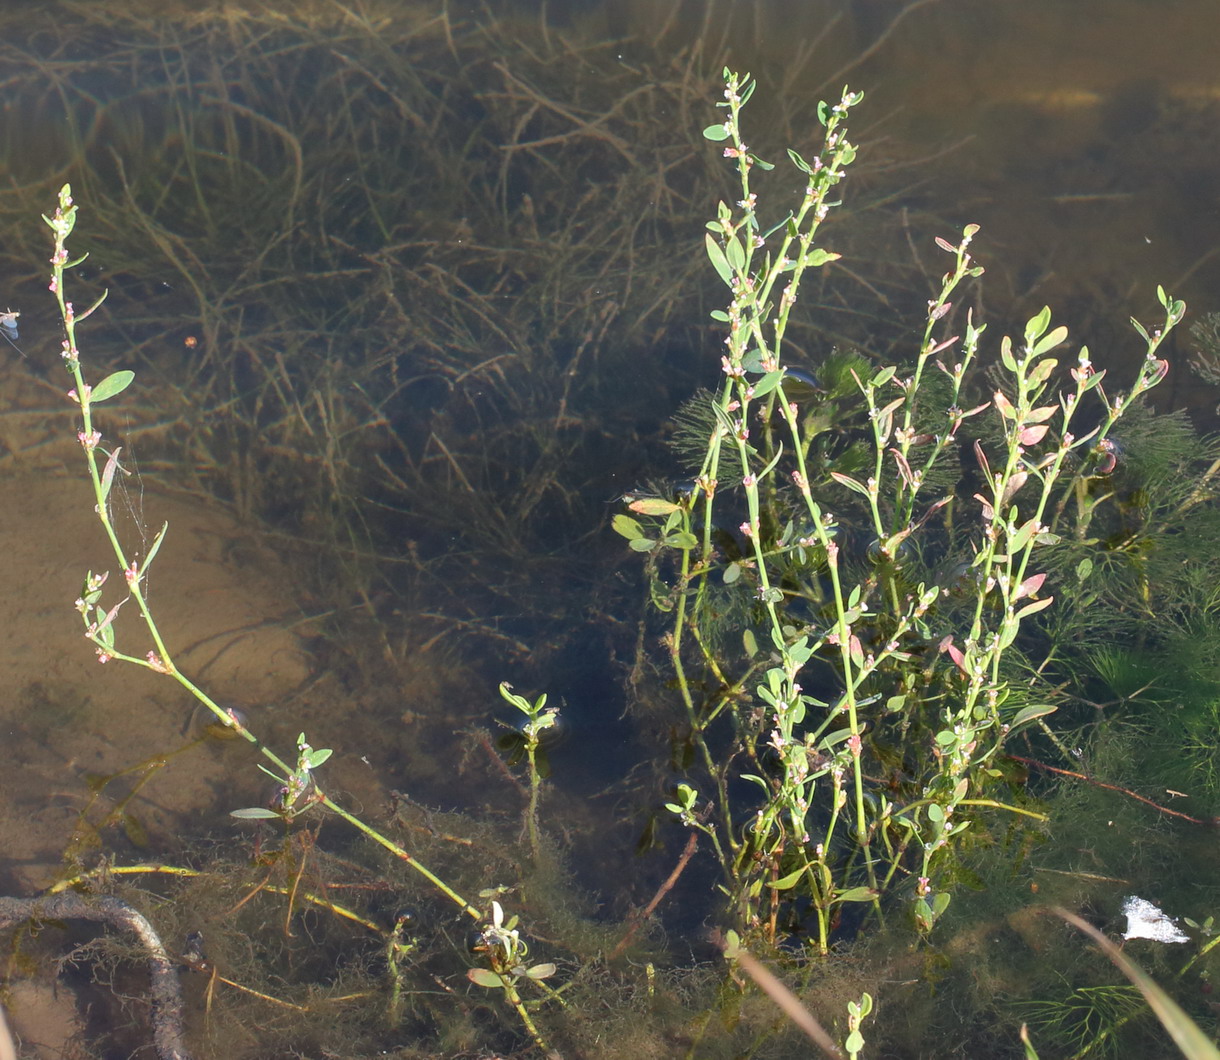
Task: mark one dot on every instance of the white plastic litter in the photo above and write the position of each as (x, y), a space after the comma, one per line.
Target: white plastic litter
(1146, 921)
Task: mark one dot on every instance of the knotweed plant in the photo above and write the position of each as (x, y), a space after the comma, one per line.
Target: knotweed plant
(298, 787)
(846, 581)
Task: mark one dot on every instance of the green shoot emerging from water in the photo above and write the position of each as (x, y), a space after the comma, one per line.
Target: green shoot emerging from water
(299, 788)
(874, 591)
(537, 722)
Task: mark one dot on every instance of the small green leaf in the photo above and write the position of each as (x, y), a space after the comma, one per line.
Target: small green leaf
(642, 544)
(662, 597)
(653, 506)
(112, 464)
(732, 944)
(856, 894)
(731, 573)
(786, 883)
(850, 483)
(767, 383)
(541, 971)
(485, 977)
(1023, 535)
(799, 162)
(735, 253)
(1041, 371)
(1037, 710)
(716, 133)
(719, 262)
(1036, 326)
(818, 257)
(156, 546)
(112, 385)
(628, 527)
(682, 540)
(1037, 605)
(753, 361)
(1049, 341)
(255, 813)
(1009, 361)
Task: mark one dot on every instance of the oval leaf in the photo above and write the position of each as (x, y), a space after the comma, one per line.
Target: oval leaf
(857, 894)
(653, 506)
(850, 483)
(316, 758)
(485, 977)
(627, 526)
(788, 882)
(1036, 606)
(1037, 710)
(255, 813)
(112, 385)
(719, 262)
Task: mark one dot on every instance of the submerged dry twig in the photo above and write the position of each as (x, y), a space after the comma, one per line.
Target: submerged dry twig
(164, 991)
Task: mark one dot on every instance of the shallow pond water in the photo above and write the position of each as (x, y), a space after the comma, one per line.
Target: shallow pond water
(413, 292)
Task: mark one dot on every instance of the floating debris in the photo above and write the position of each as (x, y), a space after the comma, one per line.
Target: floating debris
(1146, 921)
(8, 324)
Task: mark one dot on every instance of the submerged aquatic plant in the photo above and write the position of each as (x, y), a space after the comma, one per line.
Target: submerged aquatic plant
(1087, 1019)
(878, 590)
(537, 722)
